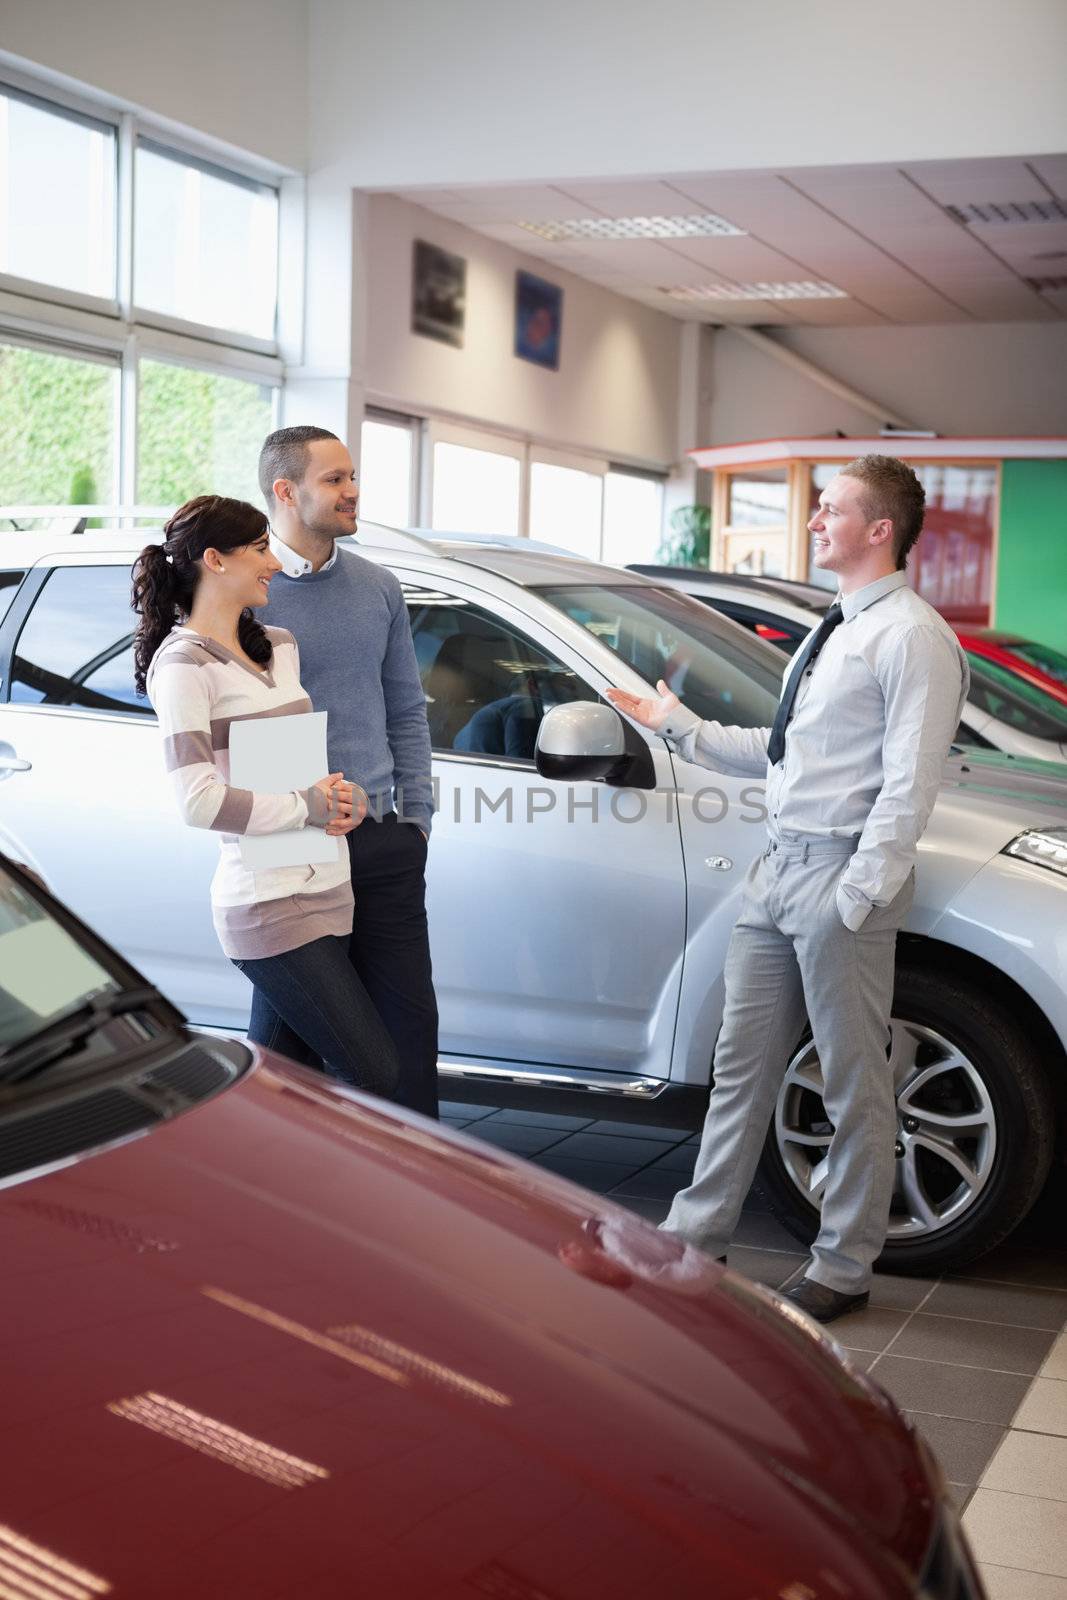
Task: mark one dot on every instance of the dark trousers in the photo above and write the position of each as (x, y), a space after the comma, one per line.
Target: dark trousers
(388, 955)
(311, 998)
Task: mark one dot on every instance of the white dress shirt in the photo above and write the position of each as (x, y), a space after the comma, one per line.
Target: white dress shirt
(866, 743)
(294, 565)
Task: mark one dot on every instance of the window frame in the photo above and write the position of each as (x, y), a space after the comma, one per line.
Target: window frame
(74, 108)
(415, 427)
(15, 621)
(65, 322)
(183, 152)
(545, 629)
(454, 596)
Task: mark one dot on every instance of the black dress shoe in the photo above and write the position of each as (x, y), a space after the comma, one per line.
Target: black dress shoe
(822, 1303)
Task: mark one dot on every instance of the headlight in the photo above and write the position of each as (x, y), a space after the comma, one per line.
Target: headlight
(1045, 847)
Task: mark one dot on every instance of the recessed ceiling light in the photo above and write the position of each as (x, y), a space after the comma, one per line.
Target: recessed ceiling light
(1011, 211)
(809, 290)
(700, 226)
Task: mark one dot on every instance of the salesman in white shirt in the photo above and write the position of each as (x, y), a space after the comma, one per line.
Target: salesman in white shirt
(870, 704)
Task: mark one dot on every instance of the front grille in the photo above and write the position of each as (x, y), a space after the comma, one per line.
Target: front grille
(948, 1573)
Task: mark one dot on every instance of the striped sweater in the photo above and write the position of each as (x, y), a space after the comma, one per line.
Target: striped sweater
(198, 689)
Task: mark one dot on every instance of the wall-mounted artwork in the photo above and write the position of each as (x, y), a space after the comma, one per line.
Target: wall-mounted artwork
(538, 320)
(439, 297)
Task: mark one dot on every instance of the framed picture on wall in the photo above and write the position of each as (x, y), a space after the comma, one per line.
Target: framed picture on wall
(439, 294)
(538, 320)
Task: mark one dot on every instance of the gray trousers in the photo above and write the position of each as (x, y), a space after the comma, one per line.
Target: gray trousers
(790, 953)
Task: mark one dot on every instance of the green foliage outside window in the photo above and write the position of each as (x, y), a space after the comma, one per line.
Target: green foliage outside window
(198, 433)
(57, 423)
(689, 542)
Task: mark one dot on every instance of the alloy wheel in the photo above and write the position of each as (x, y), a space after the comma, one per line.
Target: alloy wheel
(946, 1138)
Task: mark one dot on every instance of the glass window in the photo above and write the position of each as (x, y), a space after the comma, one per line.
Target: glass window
(487, 687)
(57, 196)
(198, 433)
(58, 421)
(205, 243)
(566, 507)
(952, 564)
(633, 518)
(715, 668)
(782, 632)
(385, 472)
(76, 647)
(759, 555)
(758, 500)
(46, 975)
(9, 588)
(474, 491)
(1042, 656)
(1012, 700)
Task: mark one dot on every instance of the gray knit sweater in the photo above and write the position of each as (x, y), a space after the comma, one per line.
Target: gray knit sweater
(357, 662)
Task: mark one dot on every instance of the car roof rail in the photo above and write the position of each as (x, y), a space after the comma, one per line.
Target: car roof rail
(384, 537)
(501, 541)
(76, 518)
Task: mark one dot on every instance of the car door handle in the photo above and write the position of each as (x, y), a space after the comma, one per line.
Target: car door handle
(14, 764)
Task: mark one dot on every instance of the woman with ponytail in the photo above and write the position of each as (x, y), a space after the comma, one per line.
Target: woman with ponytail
(205, 662)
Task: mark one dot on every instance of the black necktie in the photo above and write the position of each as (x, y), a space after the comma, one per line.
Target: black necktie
(776, 745)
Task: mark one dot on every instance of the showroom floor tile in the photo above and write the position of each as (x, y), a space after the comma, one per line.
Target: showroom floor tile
(978, 1362)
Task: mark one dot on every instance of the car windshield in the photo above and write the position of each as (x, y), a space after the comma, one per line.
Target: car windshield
(1011, 699)
(719, 671)
(1054, 662)
(44, 973)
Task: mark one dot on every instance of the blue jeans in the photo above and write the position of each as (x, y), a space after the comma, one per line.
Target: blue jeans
(389, 954)
(314, 992)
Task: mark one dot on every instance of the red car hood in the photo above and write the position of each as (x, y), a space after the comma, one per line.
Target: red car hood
(294, 1344)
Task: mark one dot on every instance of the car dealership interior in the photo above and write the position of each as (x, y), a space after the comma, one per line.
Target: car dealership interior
(595, 311)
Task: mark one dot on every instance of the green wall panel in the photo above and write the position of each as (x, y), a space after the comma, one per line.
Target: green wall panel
(1031, 595)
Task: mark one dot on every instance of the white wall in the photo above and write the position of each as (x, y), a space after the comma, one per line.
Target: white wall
(233, 69)
(955, 378)
(616, 393)
(484, 91)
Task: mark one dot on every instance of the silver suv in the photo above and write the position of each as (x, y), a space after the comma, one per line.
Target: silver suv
(580, 903)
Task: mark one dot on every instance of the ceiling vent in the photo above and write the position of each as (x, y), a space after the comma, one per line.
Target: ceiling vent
(1012, 212)
(703, 225)
(807, 290)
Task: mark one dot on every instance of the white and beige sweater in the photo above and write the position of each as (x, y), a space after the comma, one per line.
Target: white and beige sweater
(198, 689)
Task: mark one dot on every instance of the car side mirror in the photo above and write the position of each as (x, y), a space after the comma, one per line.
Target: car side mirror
(586, 740)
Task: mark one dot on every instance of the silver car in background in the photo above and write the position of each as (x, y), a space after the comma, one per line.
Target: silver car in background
(580, 902)
(999, 715)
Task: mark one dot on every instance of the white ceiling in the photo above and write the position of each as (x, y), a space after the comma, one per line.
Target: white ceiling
(880, 233)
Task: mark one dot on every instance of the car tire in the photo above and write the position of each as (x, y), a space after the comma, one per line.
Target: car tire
(1000, 1081)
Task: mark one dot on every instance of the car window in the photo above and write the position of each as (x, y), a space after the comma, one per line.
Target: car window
(9, 588)
(76, 646)
(487, 686)
(45, 973)
(1011, 699)
(1054, 662)
(782, 632)
(718, 671)
(966, 735)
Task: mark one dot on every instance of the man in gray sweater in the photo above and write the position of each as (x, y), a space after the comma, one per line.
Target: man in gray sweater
(357, 662)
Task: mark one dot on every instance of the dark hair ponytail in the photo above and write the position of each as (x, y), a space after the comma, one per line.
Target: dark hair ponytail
(165, 576)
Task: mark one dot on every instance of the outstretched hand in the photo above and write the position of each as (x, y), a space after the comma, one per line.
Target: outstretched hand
(649, 713)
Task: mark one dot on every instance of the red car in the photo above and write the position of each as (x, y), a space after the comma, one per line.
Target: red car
(265, 1338)
(1037, 664)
